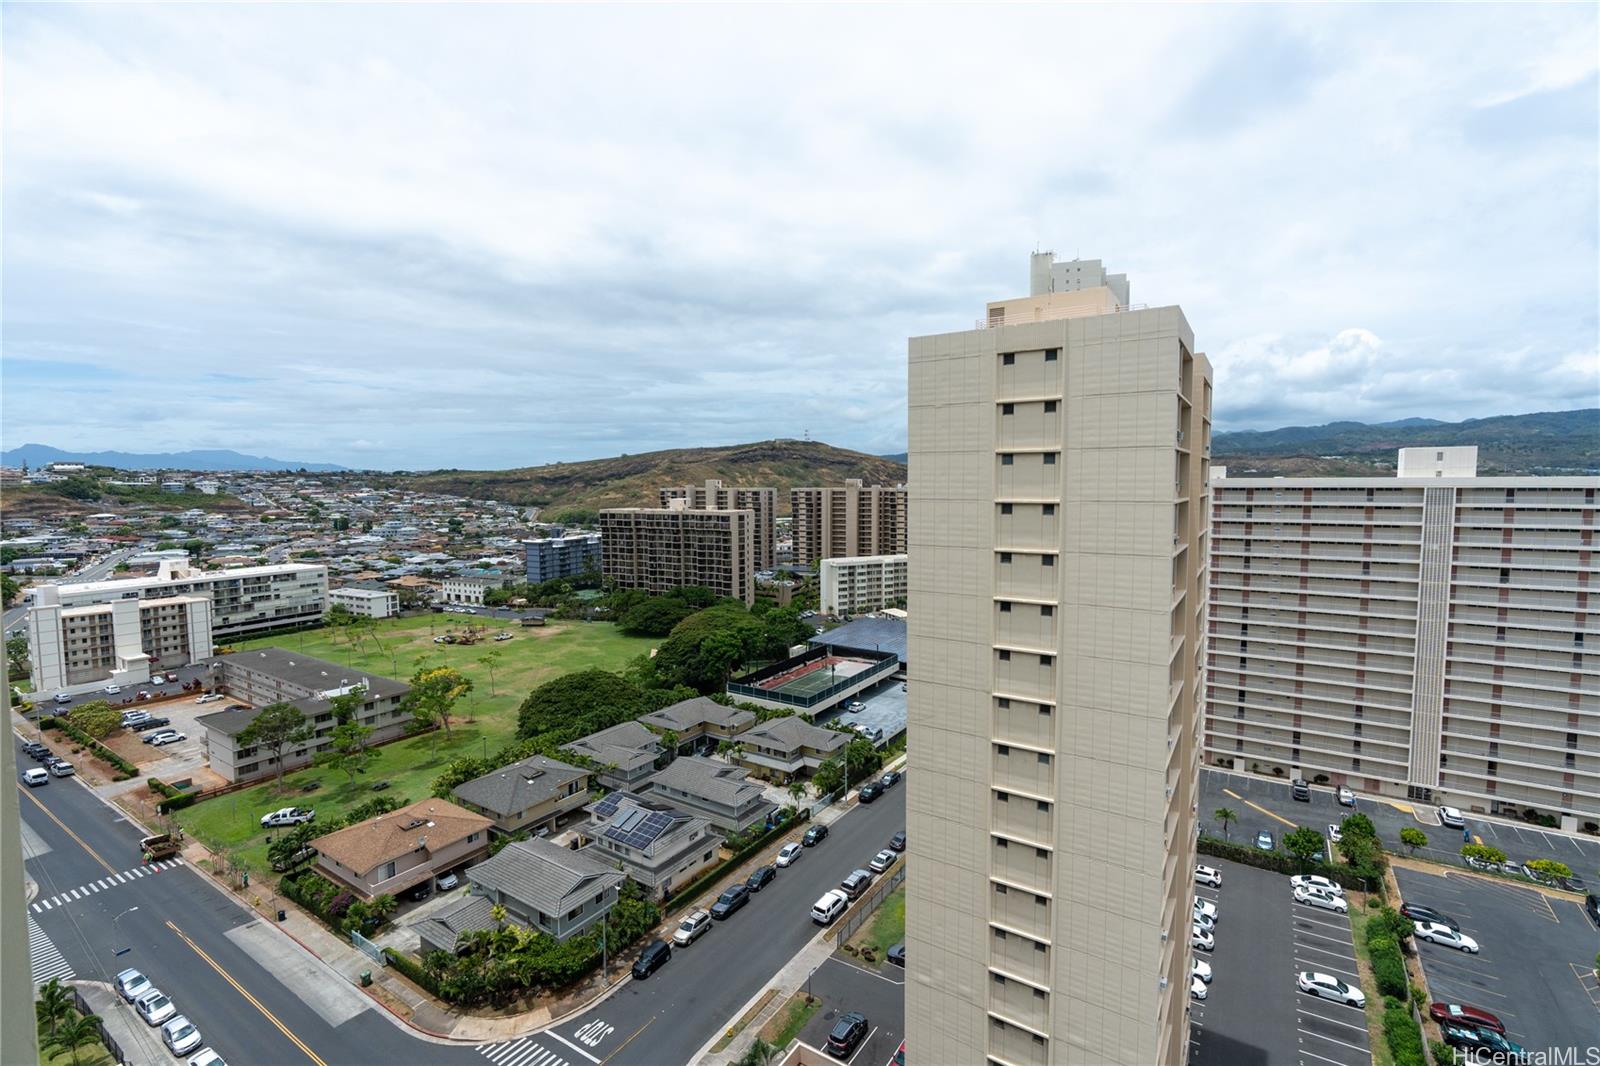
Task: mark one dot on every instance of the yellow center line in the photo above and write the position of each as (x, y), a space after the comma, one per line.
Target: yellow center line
(626, 1042)
(1231, 792)
(50, 815)
(1269, 814)
(284, 1029)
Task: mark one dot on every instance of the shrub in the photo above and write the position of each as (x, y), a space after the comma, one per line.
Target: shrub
(1403, 1035)
(1443, 1054)
(418, 976)
(125, 768)
(1388, 968)
(1353, 877)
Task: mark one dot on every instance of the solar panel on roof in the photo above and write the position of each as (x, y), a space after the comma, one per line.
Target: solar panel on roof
(629, 820)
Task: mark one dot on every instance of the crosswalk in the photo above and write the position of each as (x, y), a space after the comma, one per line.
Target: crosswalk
(106, 883)
(46, 961)
(524, 1052)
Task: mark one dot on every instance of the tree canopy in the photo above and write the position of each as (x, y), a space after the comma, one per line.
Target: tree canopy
(97, 718)
(434, 693)
(278, 726)
(570, 706)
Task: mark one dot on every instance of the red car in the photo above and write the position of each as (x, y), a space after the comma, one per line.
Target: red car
(1461, 1014)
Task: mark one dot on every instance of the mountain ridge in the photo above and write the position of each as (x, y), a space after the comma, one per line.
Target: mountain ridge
(212, 459)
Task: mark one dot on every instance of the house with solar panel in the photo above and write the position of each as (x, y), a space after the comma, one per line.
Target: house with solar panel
(658, 845)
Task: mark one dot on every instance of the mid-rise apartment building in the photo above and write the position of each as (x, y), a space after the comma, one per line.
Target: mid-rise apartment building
(470, 590)
(714, 495)
(368, 603)
(657, 549)
(556, 558)
(79, 649)
(1428, 635)
(1057, 562)
(862, 583)
(848, 520)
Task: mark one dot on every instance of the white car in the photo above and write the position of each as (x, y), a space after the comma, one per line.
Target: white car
(1203, 922)
(288, 816)
(1321, 884)
(1346, 797)
(169, 737)
(1207, 875)
(131, 985)
(36, 776)
(1329, 987)
(883, 860)
(155, 1007)
(206, 1057)
(1443, 934)
(1334, 834)
(62, 697)
(691, 928)
(1205, 907)
(1313, 898)
(1201, 970)
(112, 690)
(1452, 817)
(1201, 939)
(789, 853)
(210, 697)
(157, 679)
(1197, 988)
(181, 1036)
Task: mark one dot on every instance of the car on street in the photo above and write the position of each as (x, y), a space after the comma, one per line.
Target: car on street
(157, 679)
(1201, 939)
(35, 750)
(35, 776)
(846, 1034)
(789, 853)
(1312, 897)
(759, 877)
(112, 690)
(1443, 935)
(1197, 988)
(131, 984)
(169, 737)
(210, 697)
(1208, 875)
(691, 929)
(855, 883)
(1462, 1014)
(890, 779)
(1321, 884)
(1482, 1045)
(181, 1036)
(882, 861)
(1334, 835)
(897, 954)
(206, 1057)
(1205, 907)
(829, 906)
(61, 768)
(1264, 841)
(652, 958)
(1326, 986)
(730, 901)
(1346, 797)
(1450, 816)
(155, 1007)
(289, 816)
(898, 841)
(62, 697)
(869, 792)
(1419, 913)
(1201, 970)
(814, 836)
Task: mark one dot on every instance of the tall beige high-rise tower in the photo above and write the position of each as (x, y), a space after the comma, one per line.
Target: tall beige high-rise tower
(1056, 598)
(715, 496)
(848, 521)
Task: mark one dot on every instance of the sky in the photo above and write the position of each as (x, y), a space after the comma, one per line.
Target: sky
(493, 236)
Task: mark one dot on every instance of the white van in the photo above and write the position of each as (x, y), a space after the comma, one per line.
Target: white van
(829, 907)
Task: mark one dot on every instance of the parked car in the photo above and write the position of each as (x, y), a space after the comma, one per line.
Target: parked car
(1312, 897)
(181, 1036)
(1462, 1014)
(35, 750)
(1591, 907)
(157, 679)
(288, 816)
(1202, 921)
(449, 881)
(210, 697)
(730, 901)
(1205, 907)
(1201, 939)
(1418, 913)
(853, 706)
(150, 725)
(856, 882)
(1334, 834)
(61, 768)
(890, 779)
(789, 853)
(1482, 1045)
(1207, 875)
(1327, 986)
(759, 877)
(1197, 988)
(897, 954)
(1573, 884)
(1481, 864)
(691, 928)
(829, 906)
(1346, 797)
(35, 776)
(169, 737)
(157, 735)
(112, 690)
(1321, 884)
(1264, 841)
(1452, 817)
(654, 956)
(882, 861)
(131, 719)
(1536, 875)
(62, 698)
(1300, 790)
(131, 985)
(206, 1057)
(869, 792)
(815, 835)
(155, 1007)
(898, 841)
(1201, 970)
(1435, 933)
(846, 1034)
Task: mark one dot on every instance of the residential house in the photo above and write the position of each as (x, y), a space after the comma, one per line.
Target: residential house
(659, 846)
(720, 793)
(628, 753)
(534, 795)
(790, 746)
(699, 723)
(402, 849)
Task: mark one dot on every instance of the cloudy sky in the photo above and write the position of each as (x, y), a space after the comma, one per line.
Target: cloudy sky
(405, 236)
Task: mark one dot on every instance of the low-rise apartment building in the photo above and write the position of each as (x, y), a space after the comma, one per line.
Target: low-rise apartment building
(660, 549)
(388, 854)
(81, 649)
(790, 746)
(699, 724)
(721, 794)
(538, 793)
(659, 846)
(564, 557)
(626, 754)
(469, 590)
(715, 496)
(852, 585)
(848, 520)
(368, 603)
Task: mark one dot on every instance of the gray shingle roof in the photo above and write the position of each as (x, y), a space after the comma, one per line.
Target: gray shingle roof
(448, 926)
(519, 786)
(700, 710)
(707, 779)
(543, 875)
(627, 746)
(792, 733)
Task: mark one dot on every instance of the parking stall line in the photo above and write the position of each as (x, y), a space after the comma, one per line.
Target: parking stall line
(1319, 936)
(1332, 1021)
(1341, 1043)
(1324, 1058)
(1314, 963)
(1311, 919)
(1325, 968)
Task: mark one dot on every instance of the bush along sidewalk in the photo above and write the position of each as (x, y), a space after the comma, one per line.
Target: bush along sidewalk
(1356, 878)
(124, 768)
(696, 888)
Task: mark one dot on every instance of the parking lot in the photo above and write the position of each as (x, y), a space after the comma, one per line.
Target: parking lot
(1536, 963)
(880, 995)
(1253, 1014)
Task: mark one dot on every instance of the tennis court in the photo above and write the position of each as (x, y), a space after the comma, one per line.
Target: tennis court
(812, 678)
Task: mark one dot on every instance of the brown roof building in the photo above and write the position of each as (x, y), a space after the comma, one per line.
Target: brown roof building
(404, 848)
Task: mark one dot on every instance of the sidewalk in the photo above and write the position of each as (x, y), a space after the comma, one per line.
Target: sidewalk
(138, 1041)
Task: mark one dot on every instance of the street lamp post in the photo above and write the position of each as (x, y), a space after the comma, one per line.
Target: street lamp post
(118, 929)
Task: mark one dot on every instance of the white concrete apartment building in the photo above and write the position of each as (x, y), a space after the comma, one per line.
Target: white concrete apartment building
(847, 520)
(862, 583)
(1428, 635)
(368, 603)
(762, 502)
(1058, 460)
(657, 549)
(81, 649)
(469, 590)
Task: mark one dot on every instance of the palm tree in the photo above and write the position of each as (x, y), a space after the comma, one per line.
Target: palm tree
(73, 1034)
(498, 913)
(54, 1004)
(797, 791)
(1225, 815)
(760, 1053)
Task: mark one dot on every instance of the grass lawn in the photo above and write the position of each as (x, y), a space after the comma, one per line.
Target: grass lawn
(790, 1019)
(484, 721)
(888, 925)
(88, 1055)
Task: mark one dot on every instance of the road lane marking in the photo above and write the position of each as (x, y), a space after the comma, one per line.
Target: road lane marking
(48, 813)
(1269, 814)
(592, 1033)
(570, 1044)
(46, 962)
(226, 976)
(630, 1039)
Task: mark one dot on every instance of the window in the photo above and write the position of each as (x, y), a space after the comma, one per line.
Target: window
(1049, 458)
(1051, 354)
(1047, 560)
(1049, 509)
(386, 871)
(1008, 408)
(1003, 797)
(1008, 359)
(1044, 759)
(1047, 660)
(1044, 712)
(1005, 656)
(1005, 557)
(472, 838)
(1007, 459)
(1049, 407)
(1042, 806)
(1003, 702)
(1045, 610)
(1005, 508)
(1002, 843)
(1001, 890)
(1005, 607)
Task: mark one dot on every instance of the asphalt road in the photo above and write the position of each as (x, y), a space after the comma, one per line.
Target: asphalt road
(879, 994)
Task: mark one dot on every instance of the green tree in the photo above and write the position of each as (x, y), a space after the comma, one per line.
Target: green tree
(488, 661)
(829, 777)
(1304, 844)
(1225, 815)
(348, 749)
(568, 707)
(1413, 838)
(1358, 849)
(655, 617)
(797, 791)
(760, 1053)
(340, 523)
(53, 1006)
(1483, 853)
(1358, 825)
(278, 727)
(339, 615)
(97, 718)
(347, 705)
(17, 655)
(434, 693)
(1550, 868)
(9, 589)
(284, 849)
(861, 759)
(74, 1033)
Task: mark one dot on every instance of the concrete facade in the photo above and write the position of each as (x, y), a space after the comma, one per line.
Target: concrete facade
(658, 549)
(368, 603)
(555, 558)
(1419, 637)
(81, 649)
(761, 502)
(469, 590)
(862, 583)
(848, 520)
(1057, 561)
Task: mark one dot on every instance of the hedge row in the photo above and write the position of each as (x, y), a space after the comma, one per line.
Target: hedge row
(412, 970)
(1358, 878)
(174, 799)
(1403, 1035)
(688, 893)
(126, 768)
(1388, 967)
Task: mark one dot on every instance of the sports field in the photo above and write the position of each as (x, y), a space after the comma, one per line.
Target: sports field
(812, 678)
